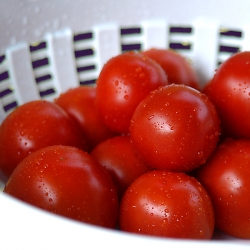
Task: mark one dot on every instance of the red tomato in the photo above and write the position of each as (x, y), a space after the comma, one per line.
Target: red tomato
(226, 178)
(230, 93)
(177, 68)
(32, 126)
(175, 128)
(206, 88)
(122, 84)
(118, 157)
(168, 204)
(80, 104)
(66, 181)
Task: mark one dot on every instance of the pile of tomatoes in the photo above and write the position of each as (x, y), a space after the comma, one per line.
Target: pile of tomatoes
(145, 149)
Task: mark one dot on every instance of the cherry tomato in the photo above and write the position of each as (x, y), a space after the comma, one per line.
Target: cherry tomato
(32, 126)
(177, 67)
(80, 104)
(118, 157)
(175, 128)
(206, 87)
(66, 181)
(122, 84)
(168, 204)
(230, 93)
(226, 178)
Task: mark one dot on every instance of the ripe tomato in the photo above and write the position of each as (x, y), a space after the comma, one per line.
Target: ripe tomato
(168, 204)
(32, 126)
(177, 68)
(226, 178)
(122, 84)
(175, 128)
(230, 93)
(118, 157)
(66, 181)
(206, 87)
(80, 104)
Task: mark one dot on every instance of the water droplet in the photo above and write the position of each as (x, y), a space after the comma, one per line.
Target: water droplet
(126, 97)
(151, 117)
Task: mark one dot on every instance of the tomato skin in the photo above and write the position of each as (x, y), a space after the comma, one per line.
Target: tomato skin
(230, 93)
(32, 126)
(167, 204)
(80, 104)
(175, 128)
(118, 157)
(66, 181)
(226, 178)
(177, 68)
(122, 84)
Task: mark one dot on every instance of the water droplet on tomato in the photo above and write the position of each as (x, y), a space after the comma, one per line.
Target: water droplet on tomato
(138, 69)
(151, 117)
(126, 97)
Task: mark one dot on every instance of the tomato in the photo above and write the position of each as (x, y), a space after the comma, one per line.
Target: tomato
(122, 84)
(32, 126)
(118, 157)
(80, 104)
(226, 178)
(175, 128)
(177, 67)
(168, 204)
(230, 93)
(206, 87)
(66, 181)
